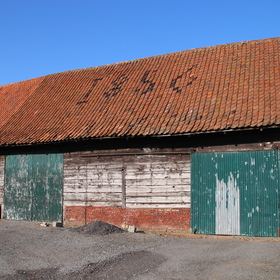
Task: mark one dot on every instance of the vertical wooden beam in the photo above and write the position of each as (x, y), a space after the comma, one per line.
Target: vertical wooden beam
(123, 188)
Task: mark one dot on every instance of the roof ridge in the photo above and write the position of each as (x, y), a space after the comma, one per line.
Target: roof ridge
(171, 53)
(148, 57)
(166, 54)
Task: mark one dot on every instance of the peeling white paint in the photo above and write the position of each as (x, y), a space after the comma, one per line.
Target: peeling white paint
(250, 214)
(271, 173)
(227, 206)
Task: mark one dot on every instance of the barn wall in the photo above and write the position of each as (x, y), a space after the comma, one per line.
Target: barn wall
(148, 190)
(2, 168)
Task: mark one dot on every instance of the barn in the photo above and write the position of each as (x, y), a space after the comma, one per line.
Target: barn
(182, 141)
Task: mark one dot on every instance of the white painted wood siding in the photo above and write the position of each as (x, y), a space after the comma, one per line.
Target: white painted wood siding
(92, 181)
(132, 181)
(158, 181)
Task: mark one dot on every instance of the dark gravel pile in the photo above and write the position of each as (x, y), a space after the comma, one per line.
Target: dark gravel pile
(98, 228)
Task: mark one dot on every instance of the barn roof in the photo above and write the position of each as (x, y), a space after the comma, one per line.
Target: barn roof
(224, 87)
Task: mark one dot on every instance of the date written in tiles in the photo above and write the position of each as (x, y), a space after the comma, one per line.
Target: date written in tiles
(146, 84)
(85, 98)
(116, 86)
(191, 79)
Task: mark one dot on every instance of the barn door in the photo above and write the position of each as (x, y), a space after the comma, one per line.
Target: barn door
(33, 187)
(235, 193)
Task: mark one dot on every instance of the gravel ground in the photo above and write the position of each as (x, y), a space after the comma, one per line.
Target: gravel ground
(29, 251)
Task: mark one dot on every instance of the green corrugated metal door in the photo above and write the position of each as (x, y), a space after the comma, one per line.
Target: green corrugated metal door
(235, 193)
(33, 187)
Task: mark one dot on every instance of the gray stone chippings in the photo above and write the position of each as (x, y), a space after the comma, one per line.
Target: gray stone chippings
(28, 251)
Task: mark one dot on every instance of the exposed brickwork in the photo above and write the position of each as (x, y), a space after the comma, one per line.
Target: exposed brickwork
(169, 219)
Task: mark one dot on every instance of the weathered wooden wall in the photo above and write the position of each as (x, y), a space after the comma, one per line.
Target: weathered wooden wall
(157, 181)
(92, 180)
(128, 180)
(144, 188)
(2, 171)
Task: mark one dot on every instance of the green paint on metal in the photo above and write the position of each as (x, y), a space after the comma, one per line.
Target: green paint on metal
(202, 196)
(259, 193)
(235, 193)
(33, 187)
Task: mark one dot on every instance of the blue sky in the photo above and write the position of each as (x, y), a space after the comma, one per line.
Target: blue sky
(40, 37)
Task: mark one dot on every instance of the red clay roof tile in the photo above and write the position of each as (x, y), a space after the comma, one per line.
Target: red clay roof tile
(232, 86)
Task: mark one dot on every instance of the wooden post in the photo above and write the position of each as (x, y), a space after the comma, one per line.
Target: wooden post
(123, 188)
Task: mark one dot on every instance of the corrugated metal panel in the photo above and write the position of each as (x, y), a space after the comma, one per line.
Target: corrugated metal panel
(240, 190)
(260, 186)
(17, 196)
(202, 195)
(33, 187)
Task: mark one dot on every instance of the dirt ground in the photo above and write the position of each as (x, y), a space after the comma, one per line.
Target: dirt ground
(99, 251)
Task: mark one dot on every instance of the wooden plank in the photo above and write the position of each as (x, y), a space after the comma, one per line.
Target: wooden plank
(110, 179)
(156, 194)
(131, 176)
(261, 146)
(97, 204)
(92, 197)
(105, 204)
(159, 199)
(154, 188)
(74, 203)
(159, 206)
(89, 189)
(135, 152)
(104, 188)
(123, 188)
